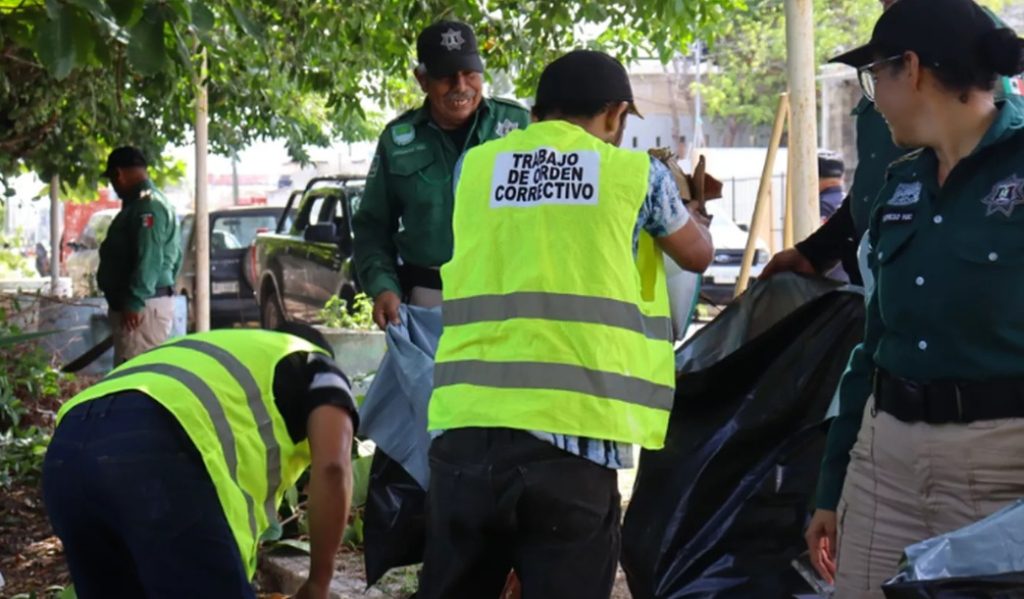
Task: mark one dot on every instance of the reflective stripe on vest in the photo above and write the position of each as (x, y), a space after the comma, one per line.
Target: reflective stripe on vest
(551, 323)
(557, 306)
(151, 375)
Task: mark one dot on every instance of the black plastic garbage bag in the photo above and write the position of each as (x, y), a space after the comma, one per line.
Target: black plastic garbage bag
(394, 523)
(983, 559)
(999, 586)
(720, 511)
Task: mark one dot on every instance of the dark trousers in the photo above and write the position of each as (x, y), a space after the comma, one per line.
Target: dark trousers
(501, 499)
(128, 495)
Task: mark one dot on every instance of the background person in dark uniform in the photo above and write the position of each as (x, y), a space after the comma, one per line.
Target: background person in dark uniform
(939, 442)
(830, 183)
(139, 258)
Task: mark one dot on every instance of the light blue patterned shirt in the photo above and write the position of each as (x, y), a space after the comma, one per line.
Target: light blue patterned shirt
(661, 214)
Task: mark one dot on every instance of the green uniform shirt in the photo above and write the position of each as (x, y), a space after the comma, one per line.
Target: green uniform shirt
(875, 151)
(142, 250)
(406, 209)
(947, 264)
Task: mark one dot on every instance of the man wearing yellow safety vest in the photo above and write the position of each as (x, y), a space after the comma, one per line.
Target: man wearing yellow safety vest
(556, 353)
(161, 478)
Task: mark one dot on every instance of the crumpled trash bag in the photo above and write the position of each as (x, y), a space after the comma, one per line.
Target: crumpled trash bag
(394, 413)
(683, 295)
(720, 512)
(394, 417)
(394, 521)
(978, 560)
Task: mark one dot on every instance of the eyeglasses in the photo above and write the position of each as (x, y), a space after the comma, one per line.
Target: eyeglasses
(868, 75)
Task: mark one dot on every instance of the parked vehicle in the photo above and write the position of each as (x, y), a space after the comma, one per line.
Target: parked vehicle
(232, 233)
(730, 242)
(305, 262)
(84, 259)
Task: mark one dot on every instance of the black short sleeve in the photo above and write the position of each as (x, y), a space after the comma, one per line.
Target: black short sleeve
(304, 381)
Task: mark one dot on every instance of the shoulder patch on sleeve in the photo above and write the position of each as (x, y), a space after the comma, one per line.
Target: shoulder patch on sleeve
(147, 220)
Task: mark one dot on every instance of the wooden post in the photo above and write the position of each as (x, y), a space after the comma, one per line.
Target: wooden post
(803, 126)
(201, 301)
(55, 227)
(787, 225)
(761, 208)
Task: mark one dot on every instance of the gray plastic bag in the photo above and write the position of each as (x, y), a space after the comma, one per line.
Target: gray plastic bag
(994, 545)
(394, 413)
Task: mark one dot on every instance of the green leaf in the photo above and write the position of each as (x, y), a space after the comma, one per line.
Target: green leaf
(273, 533)
(99, 12)
(147, 52)
(83, 37)
(68, 593)
(53, 8)
(202, 16)
(293, 544)
(353, 535)
(127, 12)
(360, 480)
(244, 22)
(55, 43)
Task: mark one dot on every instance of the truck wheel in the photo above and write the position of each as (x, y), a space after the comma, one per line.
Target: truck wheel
(271, 314)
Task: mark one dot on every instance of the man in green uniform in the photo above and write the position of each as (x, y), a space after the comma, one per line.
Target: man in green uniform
(139, 258)
(403, 230)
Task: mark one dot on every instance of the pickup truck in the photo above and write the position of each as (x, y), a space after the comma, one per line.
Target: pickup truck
(306, 261)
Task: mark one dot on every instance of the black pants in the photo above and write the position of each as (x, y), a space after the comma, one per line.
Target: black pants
(129, 496)
(501, 499)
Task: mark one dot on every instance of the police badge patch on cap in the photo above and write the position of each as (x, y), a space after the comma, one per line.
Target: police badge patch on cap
(403, 134)
(452, 40)
(1005, 196)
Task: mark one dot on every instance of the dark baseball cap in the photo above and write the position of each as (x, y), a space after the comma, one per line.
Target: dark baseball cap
(830, 164)
(940, 32)
(447, 47)
(585, 75)
(124, 157)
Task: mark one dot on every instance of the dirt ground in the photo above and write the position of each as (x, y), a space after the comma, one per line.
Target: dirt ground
(31, 558)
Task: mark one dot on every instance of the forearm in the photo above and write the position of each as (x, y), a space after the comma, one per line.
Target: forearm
(827, 245)
(330, 496)
(854, 390)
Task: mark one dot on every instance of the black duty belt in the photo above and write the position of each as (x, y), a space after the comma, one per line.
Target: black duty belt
(943, 402)
(410, 275)
(163, 292)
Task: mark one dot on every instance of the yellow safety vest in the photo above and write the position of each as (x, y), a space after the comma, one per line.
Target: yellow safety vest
(219, 386)
(550, 323)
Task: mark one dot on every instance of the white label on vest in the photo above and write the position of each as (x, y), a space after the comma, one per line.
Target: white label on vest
(545, 176)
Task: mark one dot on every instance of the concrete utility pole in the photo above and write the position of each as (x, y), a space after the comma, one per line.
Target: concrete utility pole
(54, 234)
(201, 302)
(698, 123)
(803, 128)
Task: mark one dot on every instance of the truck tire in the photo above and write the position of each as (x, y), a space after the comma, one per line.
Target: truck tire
(271, 314)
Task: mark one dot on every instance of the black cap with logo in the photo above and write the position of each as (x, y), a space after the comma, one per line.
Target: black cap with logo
(447, 47)
(123, 157)
(940, 32)
(584, 75)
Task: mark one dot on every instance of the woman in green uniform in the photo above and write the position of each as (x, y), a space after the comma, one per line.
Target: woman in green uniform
(940, 442)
